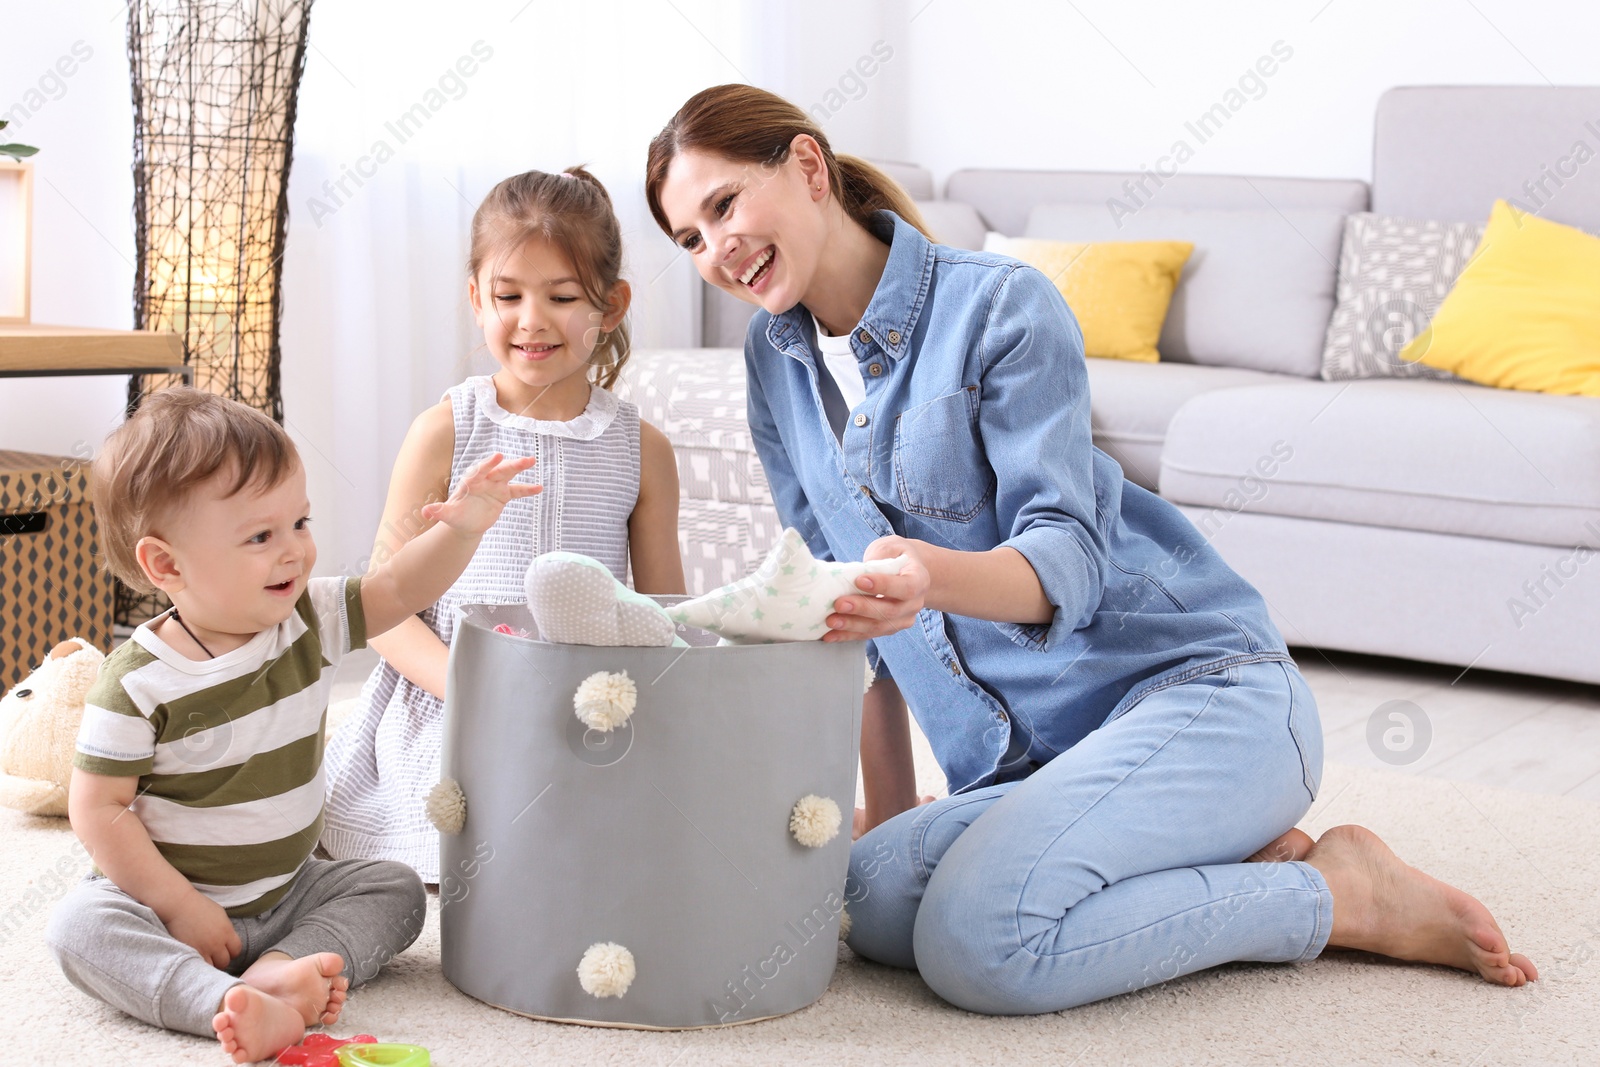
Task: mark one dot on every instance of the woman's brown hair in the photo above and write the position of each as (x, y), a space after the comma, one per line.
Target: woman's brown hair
(749, 125)
(571, 210)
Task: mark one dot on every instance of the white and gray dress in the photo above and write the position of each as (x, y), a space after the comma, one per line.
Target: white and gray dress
(384, 759)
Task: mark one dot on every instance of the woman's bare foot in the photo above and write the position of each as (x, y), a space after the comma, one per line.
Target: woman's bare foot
(311, 984)
(1381, 905)
(1293, 845)
(253, 1025)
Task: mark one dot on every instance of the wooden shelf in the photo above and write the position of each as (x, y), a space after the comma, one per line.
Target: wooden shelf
(33, 348)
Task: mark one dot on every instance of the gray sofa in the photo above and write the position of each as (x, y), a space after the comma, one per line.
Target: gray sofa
(1433, 520)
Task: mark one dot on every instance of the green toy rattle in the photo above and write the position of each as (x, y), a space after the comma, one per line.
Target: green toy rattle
(383, 1056)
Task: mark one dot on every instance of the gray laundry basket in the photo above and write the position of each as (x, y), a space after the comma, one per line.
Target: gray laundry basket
(669, 836)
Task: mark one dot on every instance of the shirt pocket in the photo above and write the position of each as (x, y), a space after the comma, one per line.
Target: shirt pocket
(940, 469)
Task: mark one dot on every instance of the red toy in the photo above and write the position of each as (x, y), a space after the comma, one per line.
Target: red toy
(321, 1050)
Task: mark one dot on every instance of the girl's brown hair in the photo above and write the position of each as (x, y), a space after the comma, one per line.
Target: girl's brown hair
(749, 125)
(571, 210)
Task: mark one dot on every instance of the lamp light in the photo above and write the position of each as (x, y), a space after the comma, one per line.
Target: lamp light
(214, 93)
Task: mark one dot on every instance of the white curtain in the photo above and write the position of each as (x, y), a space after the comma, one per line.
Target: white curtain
(404, 126)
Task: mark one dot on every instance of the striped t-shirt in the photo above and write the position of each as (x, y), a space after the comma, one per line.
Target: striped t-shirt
(228, 751)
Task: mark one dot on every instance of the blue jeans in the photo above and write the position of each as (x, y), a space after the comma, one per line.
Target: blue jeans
(1114, 866)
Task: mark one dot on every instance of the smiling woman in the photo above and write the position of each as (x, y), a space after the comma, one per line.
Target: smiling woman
(1127, 740)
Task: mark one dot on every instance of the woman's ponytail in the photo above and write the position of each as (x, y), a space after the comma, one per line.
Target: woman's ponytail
(863, 189)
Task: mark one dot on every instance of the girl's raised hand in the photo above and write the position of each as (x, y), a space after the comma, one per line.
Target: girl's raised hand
(482, 494)
(887, 603)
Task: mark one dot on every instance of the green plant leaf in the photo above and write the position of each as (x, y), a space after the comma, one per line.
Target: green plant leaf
(17, 151)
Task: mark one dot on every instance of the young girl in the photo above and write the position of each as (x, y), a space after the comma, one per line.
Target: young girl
(1119, 720)
(544, 284)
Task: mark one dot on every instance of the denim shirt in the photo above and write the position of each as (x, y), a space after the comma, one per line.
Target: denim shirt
(975, 433)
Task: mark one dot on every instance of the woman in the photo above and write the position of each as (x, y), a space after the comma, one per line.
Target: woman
(1120, 723)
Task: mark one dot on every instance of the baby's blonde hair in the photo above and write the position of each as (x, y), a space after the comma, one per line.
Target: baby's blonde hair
(179, 439)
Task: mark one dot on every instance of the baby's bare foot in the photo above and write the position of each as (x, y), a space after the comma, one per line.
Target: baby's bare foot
(1287, 848)
(253, 1025)
(311, 984)
(1381, 905)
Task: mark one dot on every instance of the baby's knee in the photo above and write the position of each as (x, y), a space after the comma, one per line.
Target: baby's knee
(404, 896)
(402, 892)
(63, 931)
(77, 922)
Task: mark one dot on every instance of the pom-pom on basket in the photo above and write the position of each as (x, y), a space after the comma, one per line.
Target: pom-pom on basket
(668, 835)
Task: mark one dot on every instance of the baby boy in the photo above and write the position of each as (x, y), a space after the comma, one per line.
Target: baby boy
(197, 785)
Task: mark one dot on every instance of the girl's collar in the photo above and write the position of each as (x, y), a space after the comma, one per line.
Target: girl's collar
(590, 423)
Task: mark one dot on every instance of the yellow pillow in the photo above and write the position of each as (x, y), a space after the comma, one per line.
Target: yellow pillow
(1525, 312)
(1119, 290)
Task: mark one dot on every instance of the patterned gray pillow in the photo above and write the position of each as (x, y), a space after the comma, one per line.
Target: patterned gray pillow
(1393, 274)
(696, 396)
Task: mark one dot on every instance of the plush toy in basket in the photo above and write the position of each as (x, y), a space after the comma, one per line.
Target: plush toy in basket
(649, 834)
(39, 722)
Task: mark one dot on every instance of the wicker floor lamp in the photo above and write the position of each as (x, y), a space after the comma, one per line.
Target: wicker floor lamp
(214, 90)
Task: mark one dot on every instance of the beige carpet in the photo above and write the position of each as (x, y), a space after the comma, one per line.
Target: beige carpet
(1534, 859)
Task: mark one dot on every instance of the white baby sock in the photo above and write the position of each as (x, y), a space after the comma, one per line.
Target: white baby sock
(575, 600)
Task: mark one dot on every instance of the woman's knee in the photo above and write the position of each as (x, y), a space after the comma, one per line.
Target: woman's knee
(956, 948)
(881, 892)
(969, 948)
(889, 867)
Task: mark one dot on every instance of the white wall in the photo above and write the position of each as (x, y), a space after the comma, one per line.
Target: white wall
(1106, 85)
(374, 324)
(83, 208)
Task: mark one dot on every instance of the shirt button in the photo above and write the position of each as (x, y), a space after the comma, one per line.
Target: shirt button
(866, 490)
(894, 337)
(861, 420)
(875, 370)
(864, 337)
(955, 668)
(1002, 716)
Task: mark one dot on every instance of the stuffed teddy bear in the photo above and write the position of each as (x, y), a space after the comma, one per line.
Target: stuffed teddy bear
(39, 722)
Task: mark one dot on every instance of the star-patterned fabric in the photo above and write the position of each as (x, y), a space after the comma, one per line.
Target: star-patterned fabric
(788, 598)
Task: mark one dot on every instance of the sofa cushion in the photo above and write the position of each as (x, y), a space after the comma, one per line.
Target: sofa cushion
(1449, 151)
(953, 223)
(1525, 313)
(1393, 275)
(1445, 457)
(1130, 405)
(1256, 293)
(1119, 291)
(914, 178)
(696, 396)
(1005, 198)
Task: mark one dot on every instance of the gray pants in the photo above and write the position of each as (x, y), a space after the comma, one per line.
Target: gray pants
(116, 950)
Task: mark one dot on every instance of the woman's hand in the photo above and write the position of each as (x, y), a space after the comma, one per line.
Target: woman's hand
(888, 602)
